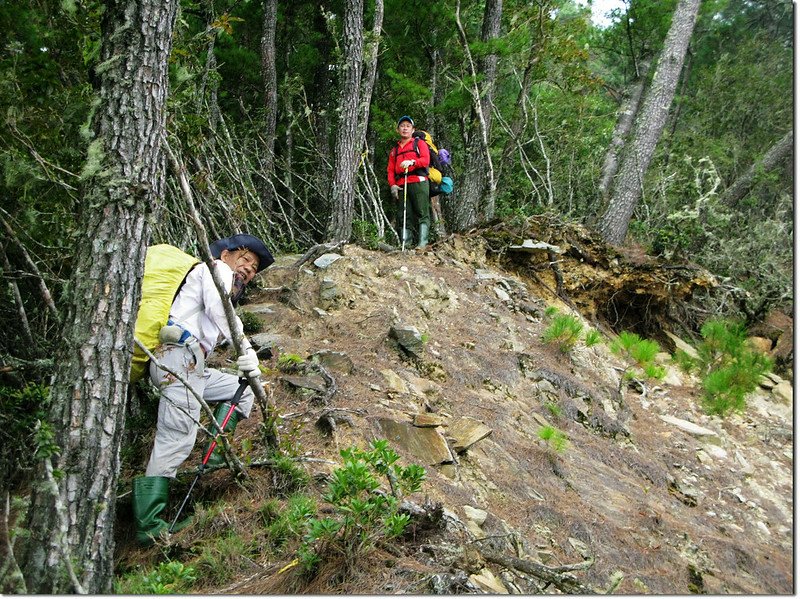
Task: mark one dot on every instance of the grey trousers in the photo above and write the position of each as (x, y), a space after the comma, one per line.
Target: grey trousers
(179, 410)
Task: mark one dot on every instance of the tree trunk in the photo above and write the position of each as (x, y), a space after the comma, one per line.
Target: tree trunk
(270, 77)
(622, 129)
(534, 66)
(71, 515)
(370, 71)
(346, 148)
(627, 190)
(774, 157)
(478, 190)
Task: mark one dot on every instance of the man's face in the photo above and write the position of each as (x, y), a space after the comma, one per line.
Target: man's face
(243, 262)
(405, 129)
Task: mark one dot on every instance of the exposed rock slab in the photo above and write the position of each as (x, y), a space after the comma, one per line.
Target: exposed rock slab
(428, 420)
(325, 260)
(409, 339)
(427, 445)
(334, 360)
(465, 432)
(680, 344)
(689, 427)
(313, 382)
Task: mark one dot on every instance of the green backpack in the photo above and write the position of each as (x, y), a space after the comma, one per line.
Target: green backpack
(165, 270)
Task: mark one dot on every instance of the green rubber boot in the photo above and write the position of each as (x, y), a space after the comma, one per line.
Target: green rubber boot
(150, 494)
(218, 458)
(424, 229)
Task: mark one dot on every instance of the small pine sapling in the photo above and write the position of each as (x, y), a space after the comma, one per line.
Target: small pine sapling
(565, 331)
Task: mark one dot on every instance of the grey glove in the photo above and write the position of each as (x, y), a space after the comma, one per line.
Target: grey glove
(407, 164)
(395, 191)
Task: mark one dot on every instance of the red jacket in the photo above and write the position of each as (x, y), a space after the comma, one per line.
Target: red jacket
(418, 172)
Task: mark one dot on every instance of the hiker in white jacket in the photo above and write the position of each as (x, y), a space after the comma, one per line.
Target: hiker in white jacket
(197, 323)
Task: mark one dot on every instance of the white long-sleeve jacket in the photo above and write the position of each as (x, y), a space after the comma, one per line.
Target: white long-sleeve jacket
(198, 307)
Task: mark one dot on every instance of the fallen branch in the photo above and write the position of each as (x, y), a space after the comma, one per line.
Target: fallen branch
(318, 250)
(558, 577)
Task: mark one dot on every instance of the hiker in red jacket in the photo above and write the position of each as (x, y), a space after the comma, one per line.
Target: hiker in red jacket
(407, 172)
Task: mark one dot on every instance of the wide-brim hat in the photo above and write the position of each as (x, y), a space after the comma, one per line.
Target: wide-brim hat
(243, 240)
(405, 117)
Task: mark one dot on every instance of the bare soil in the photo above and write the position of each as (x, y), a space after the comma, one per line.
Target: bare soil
(641, 495)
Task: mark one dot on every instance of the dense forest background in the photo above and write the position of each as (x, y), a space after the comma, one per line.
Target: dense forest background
(277, 119)
(258, 110)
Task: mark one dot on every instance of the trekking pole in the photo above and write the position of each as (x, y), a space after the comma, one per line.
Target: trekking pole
(403, 232)
(243, 383)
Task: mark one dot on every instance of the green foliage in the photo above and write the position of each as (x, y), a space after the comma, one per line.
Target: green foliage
(289, 363)
(169, 578)
(592, 337)
(639, 352)
(363, 512)
(553, 408)
(730, 368)
(288, 476)
(282, 525)
(28, 436)
(554, 438)
(550, 311)
(221, 560)
(565, 330)
(365, 233)
(251, 323)
(684, 361)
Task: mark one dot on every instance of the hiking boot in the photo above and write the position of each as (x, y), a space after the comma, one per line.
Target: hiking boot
(218, 458)
(424, 229)
(150, 494)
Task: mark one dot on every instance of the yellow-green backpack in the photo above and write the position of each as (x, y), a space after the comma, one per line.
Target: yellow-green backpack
(165, 270)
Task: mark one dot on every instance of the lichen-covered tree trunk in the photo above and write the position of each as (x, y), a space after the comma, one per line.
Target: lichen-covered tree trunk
(73, 502)
(369, 78)
(622, 129)
(347, 145)
(269, 75)
(774, 157)
(476, 201)
(627, 189)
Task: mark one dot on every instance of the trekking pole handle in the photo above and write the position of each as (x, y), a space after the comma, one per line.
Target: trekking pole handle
(243, 383)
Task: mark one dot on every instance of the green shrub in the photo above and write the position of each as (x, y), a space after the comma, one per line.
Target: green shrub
(592, 337)
(640, 354)
(564, 330)
(365, 233)
(23, 420)
(654, 371)
(251, 323)
(730, 368)
(288, 476)
(684, 361)
(554, 438)
(223, 558)
(553, 408)
(550, 311)
(168, 578)
(364, 513)
(289, 363)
